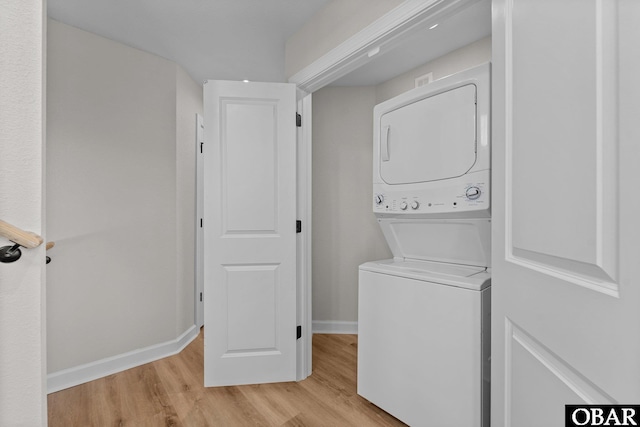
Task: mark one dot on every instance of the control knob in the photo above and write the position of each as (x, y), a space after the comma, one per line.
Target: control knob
(415, 204)
(379, 198)
(472, 193)
(403, 206)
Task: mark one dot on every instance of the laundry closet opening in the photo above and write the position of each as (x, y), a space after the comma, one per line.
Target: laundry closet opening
(348, 151)
(345, 231)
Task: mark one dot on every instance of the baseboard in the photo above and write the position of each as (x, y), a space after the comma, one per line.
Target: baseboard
(66, 378)
(334, 327)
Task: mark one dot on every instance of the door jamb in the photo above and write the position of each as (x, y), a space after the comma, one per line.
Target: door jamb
(199, 231)
(303, 239)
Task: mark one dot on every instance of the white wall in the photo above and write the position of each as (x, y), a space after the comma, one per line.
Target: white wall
(330, 26)
(22, 283)
(345, 232)
(120, 198)
(468, 56)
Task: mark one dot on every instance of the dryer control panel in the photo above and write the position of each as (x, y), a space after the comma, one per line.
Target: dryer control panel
(471, 196)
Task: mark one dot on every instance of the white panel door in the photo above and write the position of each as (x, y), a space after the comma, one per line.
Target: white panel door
(249, 232)
(566, 148)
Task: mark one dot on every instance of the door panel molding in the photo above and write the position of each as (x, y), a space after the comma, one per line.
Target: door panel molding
(580, 212)
(577, 383)
(252, 293)
(586, 275)
(242, 162)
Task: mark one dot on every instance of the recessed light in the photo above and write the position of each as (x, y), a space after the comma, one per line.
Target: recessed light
(245, 81)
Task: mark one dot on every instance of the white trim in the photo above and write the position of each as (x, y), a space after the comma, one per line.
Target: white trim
(306, 231)
(303, 369)
(563, 371)
(384, 33)
(334, 327)
(199, 231)
(66, 378)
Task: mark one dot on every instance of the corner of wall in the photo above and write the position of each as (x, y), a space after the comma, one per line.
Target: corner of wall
(117, 175)
(111, 365)
(188, 103)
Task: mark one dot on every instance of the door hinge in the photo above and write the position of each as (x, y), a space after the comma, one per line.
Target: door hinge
(200, 296)
(298, 120)
(298, 226)
(200, 222)
(298, 332)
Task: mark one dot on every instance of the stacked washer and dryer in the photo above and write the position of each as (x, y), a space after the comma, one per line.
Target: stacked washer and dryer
(424, 316)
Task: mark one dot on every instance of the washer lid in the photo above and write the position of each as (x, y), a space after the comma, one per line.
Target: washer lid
(461, 276)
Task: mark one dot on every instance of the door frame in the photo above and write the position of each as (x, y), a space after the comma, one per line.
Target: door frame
(387, 32)
(199, 231)
(303, 239)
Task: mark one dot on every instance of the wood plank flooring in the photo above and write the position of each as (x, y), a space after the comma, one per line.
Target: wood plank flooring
(169, 392)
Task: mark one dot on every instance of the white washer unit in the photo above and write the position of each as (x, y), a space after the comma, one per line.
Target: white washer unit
(424, 316)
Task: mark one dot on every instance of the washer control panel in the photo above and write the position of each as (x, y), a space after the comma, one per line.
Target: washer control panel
(473, 196)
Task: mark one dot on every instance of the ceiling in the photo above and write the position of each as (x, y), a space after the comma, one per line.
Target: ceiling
(245, 39)
(210, 39)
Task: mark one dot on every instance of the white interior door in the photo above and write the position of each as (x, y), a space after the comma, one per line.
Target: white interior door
(250, 232)
(566, 288)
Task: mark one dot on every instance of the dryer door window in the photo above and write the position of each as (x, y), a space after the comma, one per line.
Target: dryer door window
(430, 139)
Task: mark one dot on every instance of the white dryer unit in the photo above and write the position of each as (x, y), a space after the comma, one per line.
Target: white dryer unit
(424, 316)
(431, 154)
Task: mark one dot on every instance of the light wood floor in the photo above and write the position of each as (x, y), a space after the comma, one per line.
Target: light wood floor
(169, 392)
